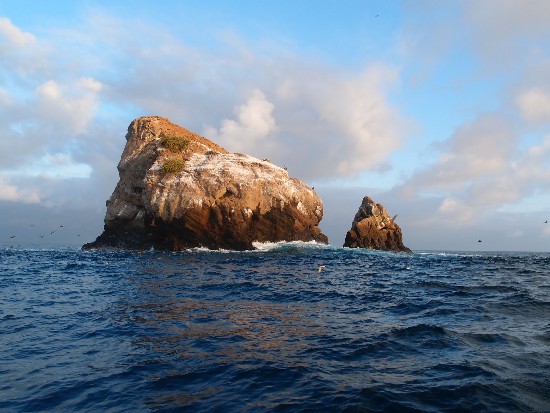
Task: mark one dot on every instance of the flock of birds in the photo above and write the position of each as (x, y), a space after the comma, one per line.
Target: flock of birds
(43, 235)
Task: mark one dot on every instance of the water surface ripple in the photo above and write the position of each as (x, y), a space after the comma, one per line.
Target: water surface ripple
(265, 331)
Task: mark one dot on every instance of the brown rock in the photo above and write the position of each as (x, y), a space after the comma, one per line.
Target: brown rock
(199, 195)
(373, 228)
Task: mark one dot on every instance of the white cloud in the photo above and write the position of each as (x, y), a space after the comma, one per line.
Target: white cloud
(9, 192)
(482, 148)
(327, 123)
(357, 108)
(49, 90)
(50, 102)
(534, 105)
(483, 168)
(493, 163)
(56, 166)
(5, 98)
(254, 123)
(90, 84)
(71, 106)
(14, 35)
(504, 35)
(47, 121)
(508, 23)
(541, 150)
(21, 53)
(518, 233)
(457, 210)
(449, 205)
(333, 124)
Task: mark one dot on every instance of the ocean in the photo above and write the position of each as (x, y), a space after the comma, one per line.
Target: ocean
(268, 331)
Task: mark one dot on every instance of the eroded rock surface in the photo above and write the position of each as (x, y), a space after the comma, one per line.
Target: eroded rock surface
(373, 228)
(198, 195)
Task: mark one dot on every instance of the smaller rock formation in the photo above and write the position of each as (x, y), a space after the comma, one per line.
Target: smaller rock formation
(374, 229)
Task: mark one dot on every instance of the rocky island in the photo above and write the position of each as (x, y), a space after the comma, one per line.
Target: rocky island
(179, 190)
(373, 228)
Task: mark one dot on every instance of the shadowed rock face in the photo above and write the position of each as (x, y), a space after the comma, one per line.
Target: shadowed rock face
(199, 195)
(374, 229)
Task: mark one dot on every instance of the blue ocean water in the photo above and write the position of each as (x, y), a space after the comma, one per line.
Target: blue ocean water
(262, 331)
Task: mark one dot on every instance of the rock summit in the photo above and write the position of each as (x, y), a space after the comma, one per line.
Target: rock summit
(179, 190)
(373, 228)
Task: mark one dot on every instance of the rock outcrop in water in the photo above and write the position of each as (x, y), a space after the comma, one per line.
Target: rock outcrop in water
(373, 228)
(178, 190)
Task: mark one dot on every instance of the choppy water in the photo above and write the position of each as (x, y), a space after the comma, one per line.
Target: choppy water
(265, 331)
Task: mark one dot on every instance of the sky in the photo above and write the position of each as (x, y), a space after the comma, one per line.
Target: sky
(439, 110)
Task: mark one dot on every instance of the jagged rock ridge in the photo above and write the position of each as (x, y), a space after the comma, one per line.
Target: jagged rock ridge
(179, 190)
(373, 228)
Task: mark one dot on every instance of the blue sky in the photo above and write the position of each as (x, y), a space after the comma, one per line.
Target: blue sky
(440, 110)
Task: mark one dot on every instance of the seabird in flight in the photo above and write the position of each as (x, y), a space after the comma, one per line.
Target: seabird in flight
(321, 268)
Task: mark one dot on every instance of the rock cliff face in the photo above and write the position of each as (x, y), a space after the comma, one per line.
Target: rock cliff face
(178, 190)
(373, 228)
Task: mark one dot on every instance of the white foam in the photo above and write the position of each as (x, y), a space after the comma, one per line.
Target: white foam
(205, 249)
(270, 246)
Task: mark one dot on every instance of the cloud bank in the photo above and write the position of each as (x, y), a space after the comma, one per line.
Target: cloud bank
(68, 94)
(319, 121)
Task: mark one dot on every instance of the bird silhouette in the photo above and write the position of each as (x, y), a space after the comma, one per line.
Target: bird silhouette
(546, 222)
(479, 240)
(13, 236)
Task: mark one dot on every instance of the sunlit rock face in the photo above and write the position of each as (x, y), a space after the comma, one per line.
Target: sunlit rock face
(373, 228)
(178, 190)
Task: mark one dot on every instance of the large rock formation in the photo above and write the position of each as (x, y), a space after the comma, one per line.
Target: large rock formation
(373, 228)
(178, 190)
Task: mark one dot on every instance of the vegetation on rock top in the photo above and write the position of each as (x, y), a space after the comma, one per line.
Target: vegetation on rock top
(175, 143)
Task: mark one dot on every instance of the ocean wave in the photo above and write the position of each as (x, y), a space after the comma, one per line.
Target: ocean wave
(419, 330)
(287, 246)
(491, 338)
(35, 248)
(264, 330)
